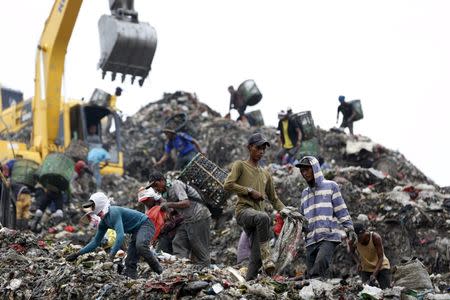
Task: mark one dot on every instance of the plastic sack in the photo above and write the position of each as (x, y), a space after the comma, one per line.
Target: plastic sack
(412, 275)
(156, 215)
(371, 293)
(316, 290)
(244, 248)
(356, 105)
(287, 245)
(109, 239)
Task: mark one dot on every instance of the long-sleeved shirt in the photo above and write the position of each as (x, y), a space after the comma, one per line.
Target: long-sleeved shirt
(97, 155)
(324, 208)
(243, 176)
(182, 142)
(122, 220)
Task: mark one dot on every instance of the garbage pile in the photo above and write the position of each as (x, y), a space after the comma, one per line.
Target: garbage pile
(34, 267)
(223, 140)
(380, 187)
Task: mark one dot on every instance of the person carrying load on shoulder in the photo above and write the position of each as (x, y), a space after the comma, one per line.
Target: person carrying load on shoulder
(290, 137)
(192, 234)
(348, 114)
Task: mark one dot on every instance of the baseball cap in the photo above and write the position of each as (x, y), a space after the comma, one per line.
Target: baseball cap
(359, 227)
(258, 139)
(148, 193)
(153, 177)
(79, 166)
(170, 130)
(282, 114)
(304, 162)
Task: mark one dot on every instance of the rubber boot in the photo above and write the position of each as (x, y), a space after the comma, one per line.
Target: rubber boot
(266, 258)
(34, 224)
(154, 264)
(56, 217)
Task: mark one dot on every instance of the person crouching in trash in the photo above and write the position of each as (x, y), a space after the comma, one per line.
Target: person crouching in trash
(122, 220)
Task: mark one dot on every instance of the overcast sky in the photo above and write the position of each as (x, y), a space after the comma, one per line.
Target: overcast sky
(393, 55)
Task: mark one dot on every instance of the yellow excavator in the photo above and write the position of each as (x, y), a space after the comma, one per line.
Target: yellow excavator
(127, 47)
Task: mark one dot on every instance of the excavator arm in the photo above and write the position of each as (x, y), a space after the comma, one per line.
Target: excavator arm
(50, 55)
(127, 47)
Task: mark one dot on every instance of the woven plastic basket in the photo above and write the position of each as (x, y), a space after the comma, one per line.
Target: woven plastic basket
(207, 178)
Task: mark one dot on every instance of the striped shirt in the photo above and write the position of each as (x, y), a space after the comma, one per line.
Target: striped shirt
(324, 208)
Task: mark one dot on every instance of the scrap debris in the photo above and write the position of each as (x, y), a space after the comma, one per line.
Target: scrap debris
(380, 187)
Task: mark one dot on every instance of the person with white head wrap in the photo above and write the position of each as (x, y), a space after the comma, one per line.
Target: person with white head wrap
(122, 220)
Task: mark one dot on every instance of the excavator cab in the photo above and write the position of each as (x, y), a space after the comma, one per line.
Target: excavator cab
(98, 126)
(127, 46)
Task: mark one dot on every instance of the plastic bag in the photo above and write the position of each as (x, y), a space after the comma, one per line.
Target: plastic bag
(156, 215)
(287, 244)
(412, 275)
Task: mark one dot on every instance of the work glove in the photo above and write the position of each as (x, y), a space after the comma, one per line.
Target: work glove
(72, 257)
(292, 212)
(352, 236)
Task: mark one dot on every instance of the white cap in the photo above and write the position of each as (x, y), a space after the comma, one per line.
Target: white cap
(148, 193)
(282, 114)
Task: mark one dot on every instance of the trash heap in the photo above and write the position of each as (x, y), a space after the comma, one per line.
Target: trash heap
(380, 187)
(222, 139)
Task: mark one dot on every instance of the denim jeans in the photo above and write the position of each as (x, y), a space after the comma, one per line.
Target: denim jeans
(140, 247)
(96, 171)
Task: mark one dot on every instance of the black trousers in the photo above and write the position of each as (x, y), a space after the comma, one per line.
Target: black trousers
(318, 258)
(45, 199)
(383, 278)
(139, 247)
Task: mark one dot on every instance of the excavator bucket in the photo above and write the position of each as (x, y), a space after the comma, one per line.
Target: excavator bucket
(127, 47)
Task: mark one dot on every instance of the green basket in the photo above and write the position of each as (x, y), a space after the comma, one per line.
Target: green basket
(309, 147)
(255, 118)
(305, 122)
(207, 178)
(357, 108)
(57, 171)
(23, 172)
(249, 92)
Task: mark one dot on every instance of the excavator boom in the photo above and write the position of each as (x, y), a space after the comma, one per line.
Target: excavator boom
(127, 47)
